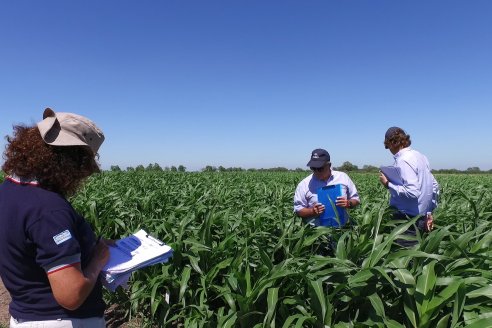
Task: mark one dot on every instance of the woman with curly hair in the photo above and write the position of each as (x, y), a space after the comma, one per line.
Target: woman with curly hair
(50, 257)
(416, 194)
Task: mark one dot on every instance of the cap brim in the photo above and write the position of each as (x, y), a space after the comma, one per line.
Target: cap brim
(316, 164)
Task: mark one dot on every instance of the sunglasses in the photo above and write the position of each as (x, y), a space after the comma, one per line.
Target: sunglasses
(317, 169)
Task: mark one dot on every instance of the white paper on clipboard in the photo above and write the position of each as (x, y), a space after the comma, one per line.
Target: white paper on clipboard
(136, 251)
(393, 174)
(130, 254)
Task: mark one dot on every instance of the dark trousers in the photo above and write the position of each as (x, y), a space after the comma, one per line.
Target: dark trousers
(327, 246)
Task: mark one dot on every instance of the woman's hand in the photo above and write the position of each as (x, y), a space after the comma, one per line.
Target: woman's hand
(101, 252)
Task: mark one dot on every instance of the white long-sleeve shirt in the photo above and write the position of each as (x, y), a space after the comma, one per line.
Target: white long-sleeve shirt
(418, 193)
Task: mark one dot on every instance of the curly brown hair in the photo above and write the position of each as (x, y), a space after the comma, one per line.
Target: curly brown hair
(61, 169)
(399, 139)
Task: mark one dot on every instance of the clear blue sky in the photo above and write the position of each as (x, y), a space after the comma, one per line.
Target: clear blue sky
(255, 83)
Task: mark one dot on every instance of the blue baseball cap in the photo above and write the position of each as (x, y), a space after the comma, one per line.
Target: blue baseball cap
(319, 157)
(392, 131)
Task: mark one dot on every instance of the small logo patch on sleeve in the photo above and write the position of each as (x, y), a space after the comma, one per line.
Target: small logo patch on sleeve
(62, 237)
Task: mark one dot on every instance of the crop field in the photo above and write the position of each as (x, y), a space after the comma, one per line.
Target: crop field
(242, 258)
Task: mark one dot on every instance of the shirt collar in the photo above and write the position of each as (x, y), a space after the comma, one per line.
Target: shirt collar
(329, 178)
(401, 151)
(22, 181)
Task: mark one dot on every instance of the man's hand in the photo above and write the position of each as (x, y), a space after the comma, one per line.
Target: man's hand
(318, 209)
(429, 222)
(342, 202)
(383, 179)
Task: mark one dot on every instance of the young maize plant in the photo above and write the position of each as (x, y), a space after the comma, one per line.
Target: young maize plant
(242, 258)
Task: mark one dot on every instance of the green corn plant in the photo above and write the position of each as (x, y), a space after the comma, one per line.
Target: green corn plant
(243, 259)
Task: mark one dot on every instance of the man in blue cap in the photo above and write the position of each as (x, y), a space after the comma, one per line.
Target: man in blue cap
(417, 191)
(306, 203)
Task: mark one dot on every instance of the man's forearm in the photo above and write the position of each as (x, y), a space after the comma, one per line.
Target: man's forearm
(306, 212)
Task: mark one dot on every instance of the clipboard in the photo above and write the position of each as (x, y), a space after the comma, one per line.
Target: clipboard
(333, 216)
(136, 251)
(132, 253)
(393, 174)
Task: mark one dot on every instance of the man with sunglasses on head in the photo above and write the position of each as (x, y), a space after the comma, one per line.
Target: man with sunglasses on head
(306, 203)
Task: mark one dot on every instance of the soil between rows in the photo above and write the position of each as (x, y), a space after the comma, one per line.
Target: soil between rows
(114, 315)
(4, 305)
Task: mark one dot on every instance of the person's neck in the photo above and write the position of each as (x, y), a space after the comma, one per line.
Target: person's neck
(395, 150)
(327, 178)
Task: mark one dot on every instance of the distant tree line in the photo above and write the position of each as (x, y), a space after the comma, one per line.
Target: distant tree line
(349, 167)
(345, 167)
(470, 170)
(210, 168)
(150, 167)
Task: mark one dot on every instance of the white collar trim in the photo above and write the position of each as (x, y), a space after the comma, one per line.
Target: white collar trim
(23, 181)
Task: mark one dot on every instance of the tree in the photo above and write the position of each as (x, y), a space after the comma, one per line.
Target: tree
(181, 168)
(115, 168)
(234, 169)
(278, 169)
(447, 171)
(370, 168)
(347, 167)
(140, 168)
(473, 169)
(153, 167)
(174, 169)
(209, 168)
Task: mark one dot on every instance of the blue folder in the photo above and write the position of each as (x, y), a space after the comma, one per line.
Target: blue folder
(333, 216)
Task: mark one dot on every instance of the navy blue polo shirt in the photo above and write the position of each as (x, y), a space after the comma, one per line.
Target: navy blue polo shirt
(41, 233)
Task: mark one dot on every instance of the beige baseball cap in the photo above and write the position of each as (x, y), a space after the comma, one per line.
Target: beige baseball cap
(68, 129)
